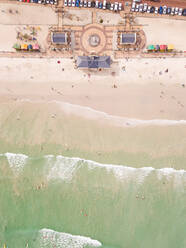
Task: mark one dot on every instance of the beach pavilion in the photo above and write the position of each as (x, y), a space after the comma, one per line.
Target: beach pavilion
(94, 62)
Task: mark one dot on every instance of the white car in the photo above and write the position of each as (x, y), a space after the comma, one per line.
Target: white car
(145, 6)
(172, 11)
(141, 7)
(89, 4)
(116, 6)
(137, 8)
(104, 4)
(180, 11)
(156, 10)
(85, 4)
(133, 6)
(69, 3)
(97, 4)
(65, 3)
(148, 9)
(73, 3)
(120, 6)
(81, 3)
(164, 10)
(111, 6)
(176, 10)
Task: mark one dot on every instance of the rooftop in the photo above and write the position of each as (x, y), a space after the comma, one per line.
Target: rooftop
(93, 62)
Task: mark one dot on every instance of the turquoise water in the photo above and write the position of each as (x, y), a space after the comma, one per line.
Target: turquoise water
(56, 201)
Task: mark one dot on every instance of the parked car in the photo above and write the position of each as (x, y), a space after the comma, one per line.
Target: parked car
(120, 6)
(97, 4)
(116, 6)
(100, 5)
(137, 8)
(137, 1)
(85, 3)
(89, 4)
(156, 10)
(180, 11)
(133, 6)
(148, 9)
(172, 11)
(77, 3)
(104, 4)
(73, 3)
(55, 2)
(69, 3)
(152, 9)
(184, 12)
(39, 1)
(176, 10)
(145, 6)
(160, 10)
(108, 5)
(93, 4)
(168, 11)
(164, 10)
(111, 6)
(81, 3)
(141, 7)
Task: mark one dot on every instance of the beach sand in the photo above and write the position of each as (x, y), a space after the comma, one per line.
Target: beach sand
(127, 117)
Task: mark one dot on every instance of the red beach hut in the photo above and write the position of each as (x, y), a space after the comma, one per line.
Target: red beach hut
(36, 47)
(163, 48)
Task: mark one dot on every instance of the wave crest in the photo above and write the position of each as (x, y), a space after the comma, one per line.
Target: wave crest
(48, 237)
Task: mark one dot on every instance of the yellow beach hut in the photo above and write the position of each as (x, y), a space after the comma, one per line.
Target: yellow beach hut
(170, 47)
(24, 47)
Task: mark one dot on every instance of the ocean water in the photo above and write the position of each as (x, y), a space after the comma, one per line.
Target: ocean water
(57, 201)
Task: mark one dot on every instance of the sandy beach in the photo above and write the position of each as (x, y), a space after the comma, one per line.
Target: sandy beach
(121, 113)
(148, 89)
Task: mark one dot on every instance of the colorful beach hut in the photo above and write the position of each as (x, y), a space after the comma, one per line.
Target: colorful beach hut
(24, 47)
(157, 48)
(170, 47)
(17, 46)
(150, 48)
(163, 48)
(36, 47)
(30, 47)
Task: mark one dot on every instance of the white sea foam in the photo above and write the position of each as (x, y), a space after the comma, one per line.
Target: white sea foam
(16, 161)
(90, 113)
(48, 237)
(61, 167)
(64, 168)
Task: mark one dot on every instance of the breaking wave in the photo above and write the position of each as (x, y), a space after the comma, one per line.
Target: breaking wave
(65, 168)
(16, 161)
(48, 237)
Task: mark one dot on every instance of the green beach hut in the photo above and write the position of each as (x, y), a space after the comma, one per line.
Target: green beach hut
(17, 46)
(150, 48)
